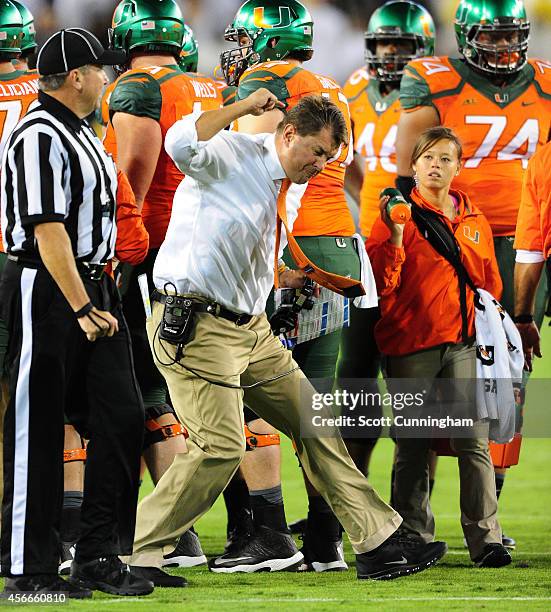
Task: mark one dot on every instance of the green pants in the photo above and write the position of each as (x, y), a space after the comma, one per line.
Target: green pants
(317, 358)
(478, 501)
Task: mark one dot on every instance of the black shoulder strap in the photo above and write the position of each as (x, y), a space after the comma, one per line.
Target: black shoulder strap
(438, 234)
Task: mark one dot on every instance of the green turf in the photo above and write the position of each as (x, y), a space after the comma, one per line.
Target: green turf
(452, 585)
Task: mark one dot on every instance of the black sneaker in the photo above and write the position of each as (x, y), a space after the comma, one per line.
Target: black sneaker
(508, 542)
(493, 555)
(188, 552)
(298, 527)
(322, 555)
(266, 551)
(111, 575)
(158, 577)
(66, 558)
(240, 533)
(43, 583)
(400, 555)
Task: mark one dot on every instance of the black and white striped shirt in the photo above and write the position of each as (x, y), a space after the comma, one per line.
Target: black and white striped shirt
(54, 168)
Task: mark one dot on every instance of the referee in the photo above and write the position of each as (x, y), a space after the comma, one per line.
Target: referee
(69, 348)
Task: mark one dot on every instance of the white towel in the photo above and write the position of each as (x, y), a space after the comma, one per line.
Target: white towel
(370, 299)
(499, 367)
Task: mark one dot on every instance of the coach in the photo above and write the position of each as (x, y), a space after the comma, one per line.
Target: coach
(218, 256)
(69, 347)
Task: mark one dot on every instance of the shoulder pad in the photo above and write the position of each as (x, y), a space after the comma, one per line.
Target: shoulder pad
(138, 93)
(426, 78)
(228, 92)
(356, 83)
(542, 75)
(274, 76)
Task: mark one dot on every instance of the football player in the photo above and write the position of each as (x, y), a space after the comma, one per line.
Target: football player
(272, 39)
(499, 104)
(28, 41)
(397, 33)
(149, 96)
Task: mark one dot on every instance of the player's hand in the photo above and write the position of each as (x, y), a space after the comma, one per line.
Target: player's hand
(396, 229)
(98, 323)
(261, 101)
(530, 343)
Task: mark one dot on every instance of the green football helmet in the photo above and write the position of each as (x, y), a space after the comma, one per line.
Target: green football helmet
(11, 30)
(147, 25)
(492, 35)
(405, 24)
(273, 29)
(189, 55)
(28, 44)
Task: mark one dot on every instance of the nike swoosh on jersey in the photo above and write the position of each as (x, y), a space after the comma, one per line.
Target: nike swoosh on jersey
(401, 562)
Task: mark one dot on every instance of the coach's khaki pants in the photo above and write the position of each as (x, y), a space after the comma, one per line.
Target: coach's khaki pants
(213, 415)
(478, 501)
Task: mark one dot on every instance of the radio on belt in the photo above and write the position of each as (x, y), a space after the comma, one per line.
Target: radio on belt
(177, 320)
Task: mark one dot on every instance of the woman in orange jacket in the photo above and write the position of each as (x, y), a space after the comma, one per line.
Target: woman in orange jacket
(423, 336)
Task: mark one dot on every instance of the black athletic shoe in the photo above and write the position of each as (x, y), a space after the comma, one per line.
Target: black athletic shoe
(266, 551)
(508, 542)
(240, 533)
(493, 555)
(158, 577)
(322, 555)
(298, 527)
(111, 575)
(400, 555)
(66, 558)
(188, 552)
(43, 584)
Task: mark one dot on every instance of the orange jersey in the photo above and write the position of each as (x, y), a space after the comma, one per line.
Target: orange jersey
(165, 94)
(500, 128)
(323, 210)
(18, 90)
(419, 289)
(534, 215)
(374, 123)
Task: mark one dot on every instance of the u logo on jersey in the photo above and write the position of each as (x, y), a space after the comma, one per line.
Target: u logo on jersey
(473, 238)
(258, 17)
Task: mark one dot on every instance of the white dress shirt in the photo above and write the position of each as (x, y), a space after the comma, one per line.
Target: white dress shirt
(221, 238)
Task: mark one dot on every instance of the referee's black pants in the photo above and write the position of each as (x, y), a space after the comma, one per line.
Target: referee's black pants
(54, 369)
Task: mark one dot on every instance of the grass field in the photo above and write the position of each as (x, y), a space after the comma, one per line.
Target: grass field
(454, 584)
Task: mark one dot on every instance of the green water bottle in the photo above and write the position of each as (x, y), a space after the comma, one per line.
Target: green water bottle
(397, 208)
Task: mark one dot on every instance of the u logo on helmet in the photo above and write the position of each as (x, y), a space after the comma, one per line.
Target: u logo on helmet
(258, 18)
(425, 22)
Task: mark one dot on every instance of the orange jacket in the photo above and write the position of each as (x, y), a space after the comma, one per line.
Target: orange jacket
(534, 215)
(132, 237)
(419, 289)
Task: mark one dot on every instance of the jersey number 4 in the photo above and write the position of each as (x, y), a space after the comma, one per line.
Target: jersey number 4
(526, 139)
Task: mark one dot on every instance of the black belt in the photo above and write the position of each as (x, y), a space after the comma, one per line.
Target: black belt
(210, 307)
(85, 269)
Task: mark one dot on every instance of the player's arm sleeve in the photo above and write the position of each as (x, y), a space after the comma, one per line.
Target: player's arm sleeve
(528, 235)
(132, 237)
(137, 94)
(256, 79)
(414, 90)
